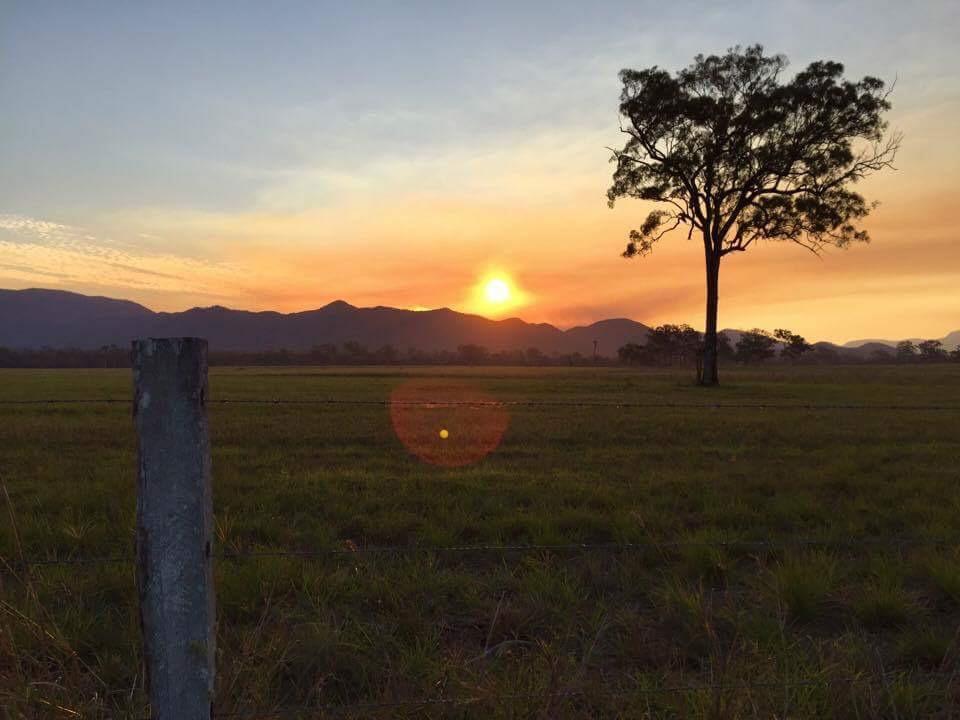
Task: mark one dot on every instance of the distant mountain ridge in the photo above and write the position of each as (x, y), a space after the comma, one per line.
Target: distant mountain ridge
(36, 318)
(949, 341)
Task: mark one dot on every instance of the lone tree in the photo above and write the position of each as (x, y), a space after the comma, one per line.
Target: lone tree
(906, 351)
(739, 157)
(794, 346)
(932, 350)
(667, 344)
(755, 346)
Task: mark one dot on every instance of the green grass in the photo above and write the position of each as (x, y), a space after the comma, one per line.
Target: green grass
(785, 630)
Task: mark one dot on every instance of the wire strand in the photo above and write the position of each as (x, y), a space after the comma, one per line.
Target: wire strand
(508, 403)
(340, 709)
(763, 544)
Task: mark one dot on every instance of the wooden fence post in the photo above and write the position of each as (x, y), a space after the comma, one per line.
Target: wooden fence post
(174, 526)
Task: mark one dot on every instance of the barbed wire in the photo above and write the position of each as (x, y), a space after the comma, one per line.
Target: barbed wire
(353, 550)
(299, 711)
(507, 403)
(65, 401)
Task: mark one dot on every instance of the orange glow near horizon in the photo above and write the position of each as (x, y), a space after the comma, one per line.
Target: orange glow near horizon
(903, 284)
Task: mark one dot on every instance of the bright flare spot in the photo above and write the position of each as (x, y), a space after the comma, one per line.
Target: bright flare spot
(423, 408)
(497, 291)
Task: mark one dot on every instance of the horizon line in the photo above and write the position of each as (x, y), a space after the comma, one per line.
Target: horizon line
(421, 309)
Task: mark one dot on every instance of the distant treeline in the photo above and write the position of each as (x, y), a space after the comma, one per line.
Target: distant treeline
(350, 353)
(666, 345)
(682, 345)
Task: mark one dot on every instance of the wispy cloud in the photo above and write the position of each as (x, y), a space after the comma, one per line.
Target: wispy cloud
(29, 271)
(24, 230)
(143, 271)
(31, 229)
(40, 251)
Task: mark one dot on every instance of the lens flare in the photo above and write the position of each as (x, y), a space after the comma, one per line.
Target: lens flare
(471, 423)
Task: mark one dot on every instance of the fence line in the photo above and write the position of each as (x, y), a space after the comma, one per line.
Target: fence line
(299, 711)
(506, 403)
(174, 529)
(767, 544)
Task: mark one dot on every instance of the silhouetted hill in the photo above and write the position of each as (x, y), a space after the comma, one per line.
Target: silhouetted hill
(58, 319)
(870, 349)
(609, 334)
(858, 350)
(950, 341)
(38, 318)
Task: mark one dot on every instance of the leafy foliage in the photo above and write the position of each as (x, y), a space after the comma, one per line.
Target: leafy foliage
(673, 343)
(742, 157)
(666, 345)
(755, 345)
(932, 350)
(631, 354)
(794, 346)
(906, 351)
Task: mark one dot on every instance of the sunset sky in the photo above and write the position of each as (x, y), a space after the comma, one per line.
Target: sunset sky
(282, 155)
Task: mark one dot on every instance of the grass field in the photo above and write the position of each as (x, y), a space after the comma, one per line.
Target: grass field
(679, 626)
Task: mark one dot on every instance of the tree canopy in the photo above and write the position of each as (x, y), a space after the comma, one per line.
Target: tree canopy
(755, 345)
(906, 350)
(794, 346)
(741, 157)
(932, 350)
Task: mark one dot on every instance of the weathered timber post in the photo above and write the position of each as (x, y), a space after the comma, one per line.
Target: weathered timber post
(174, 526)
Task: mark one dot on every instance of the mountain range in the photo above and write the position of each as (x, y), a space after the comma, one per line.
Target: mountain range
(37, 318)
(950, 341)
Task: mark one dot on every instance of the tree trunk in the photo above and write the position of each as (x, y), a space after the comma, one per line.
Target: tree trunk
(709, 374)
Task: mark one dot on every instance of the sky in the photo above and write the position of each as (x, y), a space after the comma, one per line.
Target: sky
(283, 155)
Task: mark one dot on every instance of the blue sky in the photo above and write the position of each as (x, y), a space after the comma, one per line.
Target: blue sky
(228, 144)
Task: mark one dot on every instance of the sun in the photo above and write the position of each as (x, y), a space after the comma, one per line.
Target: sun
(497, 291)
